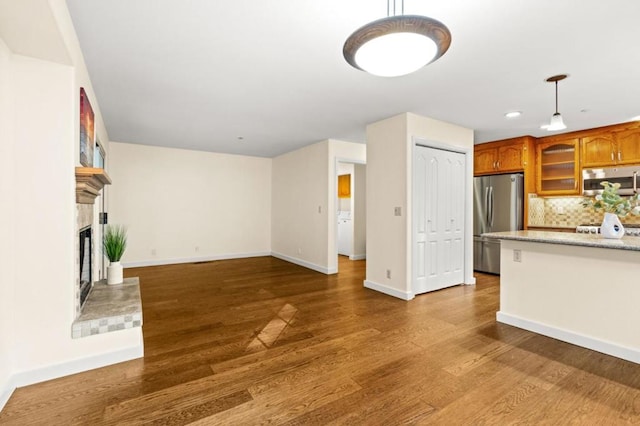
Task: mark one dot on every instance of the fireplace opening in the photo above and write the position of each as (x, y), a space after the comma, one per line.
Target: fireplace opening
(85, 263)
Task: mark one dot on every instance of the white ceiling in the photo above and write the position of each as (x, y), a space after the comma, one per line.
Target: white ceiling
(199, 74)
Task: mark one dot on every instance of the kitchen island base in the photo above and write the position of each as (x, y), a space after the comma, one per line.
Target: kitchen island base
(587, 296)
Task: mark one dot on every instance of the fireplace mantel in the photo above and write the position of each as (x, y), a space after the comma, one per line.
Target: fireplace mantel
(89, 183)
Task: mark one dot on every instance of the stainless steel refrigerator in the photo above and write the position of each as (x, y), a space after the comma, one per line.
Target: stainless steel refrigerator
(498, 206)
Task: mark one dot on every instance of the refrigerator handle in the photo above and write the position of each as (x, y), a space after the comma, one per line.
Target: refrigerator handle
(518, 192)
(491, 207)
(486, 206)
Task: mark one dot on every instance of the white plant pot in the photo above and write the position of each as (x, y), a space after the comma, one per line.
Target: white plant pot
(611, 226)
(114, 273)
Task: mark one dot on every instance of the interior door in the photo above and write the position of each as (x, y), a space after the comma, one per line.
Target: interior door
(438, 200)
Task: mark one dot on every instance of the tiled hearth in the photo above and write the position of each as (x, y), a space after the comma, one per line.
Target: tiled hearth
(110, 308)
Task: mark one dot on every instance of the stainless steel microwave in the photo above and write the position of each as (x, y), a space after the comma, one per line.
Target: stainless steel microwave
(627, 176)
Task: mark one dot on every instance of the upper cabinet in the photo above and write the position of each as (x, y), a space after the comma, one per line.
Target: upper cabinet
(511, 157)
(611, 148)
(598, 150)
(558, 167)
(484, 160)
(506, 156)
(628, 144)
(344, 186)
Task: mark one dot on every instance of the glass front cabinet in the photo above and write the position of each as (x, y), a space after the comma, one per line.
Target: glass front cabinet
(558, 167)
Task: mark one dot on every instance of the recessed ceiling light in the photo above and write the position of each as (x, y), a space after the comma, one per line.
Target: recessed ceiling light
(240, 138)
(513, 114)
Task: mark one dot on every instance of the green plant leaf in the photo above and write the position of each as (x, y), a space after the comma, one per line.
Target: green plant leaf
(115, 242)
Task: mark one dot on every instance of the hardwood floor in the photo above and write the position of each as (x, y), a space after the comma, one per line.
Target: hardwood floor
(255, 341)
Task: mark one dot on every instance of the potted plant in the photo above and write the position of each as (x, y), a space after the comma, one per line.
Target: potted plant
(115, 242)
(614, 207)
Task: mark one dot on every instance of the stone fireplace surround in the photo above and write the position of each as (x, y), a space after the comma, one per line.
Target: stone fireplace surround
(107, 308)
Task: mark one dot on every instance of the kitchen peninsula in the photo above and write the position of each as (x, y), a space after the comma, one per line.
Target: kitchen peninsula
(581, 289)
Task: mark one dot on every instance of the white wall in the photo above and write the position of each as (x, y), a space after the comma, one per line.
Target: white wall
(359, 213)
(300, 206)
(189, 205)
(389, 180)
(7, 230)
(42, 116)
(387, 147)
(304, 203)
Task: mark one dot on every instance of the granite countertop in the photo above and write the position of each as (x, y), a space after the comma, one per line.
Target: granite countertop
(585, 240)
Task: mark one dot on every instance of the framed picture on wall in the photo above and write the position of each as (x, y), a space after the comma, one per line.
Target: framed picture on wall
(99, 154)
(87, 130)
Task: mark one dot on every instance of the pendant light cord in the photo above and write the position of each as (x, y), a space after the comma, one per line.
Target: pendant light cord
(556, 96)
(394, 8)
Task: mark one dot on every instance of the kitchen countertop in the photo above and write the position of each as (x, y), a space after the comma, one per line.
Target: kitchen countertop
(565, 238)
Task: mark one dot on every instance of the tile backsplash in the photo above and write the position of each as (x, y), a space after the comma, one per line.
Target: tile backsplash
(565, 212)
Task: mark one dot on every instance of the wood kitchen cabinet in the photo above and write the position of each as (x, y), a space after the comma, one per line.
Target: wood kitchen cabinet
(611, 148)
(344, 186)
(515, 155)
(598, 150)
(558, 167)
(505, 156)
(628, 144)
(484, 160)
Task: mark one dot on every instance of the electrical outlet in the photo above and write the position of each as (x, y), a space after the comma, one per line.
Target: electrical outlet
(299, 250)
(517, 255)
(389, 273)
(153, 252)
(397, 211)
(319, 209)
(197, 248)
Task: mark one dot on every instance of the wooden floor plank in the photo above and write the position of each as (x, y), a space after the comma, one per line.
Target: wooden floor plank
(259, 340)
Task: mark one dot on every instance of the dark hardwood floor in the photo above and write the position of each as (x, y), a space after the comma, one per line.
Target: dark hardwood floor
(255, 341)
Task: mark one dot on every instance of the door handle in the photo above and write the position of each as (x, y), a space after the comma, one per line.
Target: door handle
(612, 158)
(635, 182)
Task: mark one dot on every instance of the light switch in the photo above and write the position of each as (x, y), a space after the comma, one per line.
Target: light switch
(397, 211)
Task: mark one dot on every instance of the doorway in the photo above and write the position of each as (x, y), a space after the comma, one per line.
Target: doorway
(438, 218)
(350, 212)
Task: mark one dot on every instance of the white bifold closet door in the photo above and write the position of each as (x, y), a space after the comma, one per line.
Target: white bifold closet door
(438, 219)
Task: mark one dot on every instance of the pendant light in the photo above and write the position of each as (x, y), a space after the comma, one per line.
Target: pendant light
(556, 122)
(398, 44)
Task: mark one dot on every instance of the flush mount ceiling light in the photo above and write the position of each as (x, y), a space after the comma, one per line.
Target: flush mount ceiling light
(556, 122)
(398, 44)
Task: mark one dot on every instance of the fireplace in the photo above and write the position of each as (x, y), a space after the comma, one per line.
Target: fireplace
(85, 262)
